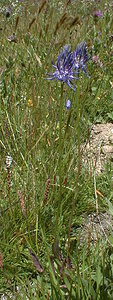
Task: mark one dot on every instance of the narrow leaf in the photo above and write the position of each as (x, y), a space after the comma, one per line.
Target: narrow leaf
(36, 262)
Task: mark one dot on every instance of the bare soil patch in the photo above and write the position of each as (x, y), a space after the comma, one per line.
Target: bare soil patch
(99, 149)
(96, 227)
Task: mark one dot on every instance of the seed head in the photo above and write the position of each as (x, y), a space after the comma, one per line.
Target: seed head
(1, 261)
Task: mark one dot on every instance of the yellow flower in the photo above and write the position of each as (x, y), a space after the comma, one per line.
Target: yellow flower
(30, 103)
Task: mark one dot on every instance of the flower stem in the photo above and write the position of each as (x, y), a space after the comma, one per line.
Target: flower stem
(11, 209)
(78, 173)
(78, 135)
(60, 167)
(60, 145)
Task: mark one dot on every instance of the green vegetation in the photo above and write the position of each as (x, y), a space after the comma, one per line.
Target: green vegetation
(42, 203)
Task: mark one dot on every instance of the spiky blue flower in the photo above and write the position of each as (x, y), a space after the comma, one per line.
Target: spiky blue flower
(64, 70)
(81, 57)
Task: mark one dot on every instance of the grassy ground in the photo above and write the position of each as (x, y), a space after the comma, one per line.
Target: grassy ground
(41, 204)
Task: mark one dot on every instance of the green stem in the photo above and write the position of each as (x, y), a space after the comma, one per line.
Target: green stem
(60, 144)
(78, 135)
(60, 166)
(78, 173)
(11, 209)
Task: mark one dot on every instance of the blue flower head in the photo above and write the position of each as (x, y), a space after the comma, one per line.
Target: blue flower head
(65, 51)
(64, 69)
(81, 57)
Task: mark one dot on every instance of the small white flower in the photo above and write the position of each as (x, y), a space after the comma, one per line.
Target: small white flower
(8, 161)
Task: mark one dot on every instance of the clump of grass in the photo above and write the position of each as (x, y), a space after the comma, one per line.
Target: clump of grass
(31, 264)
